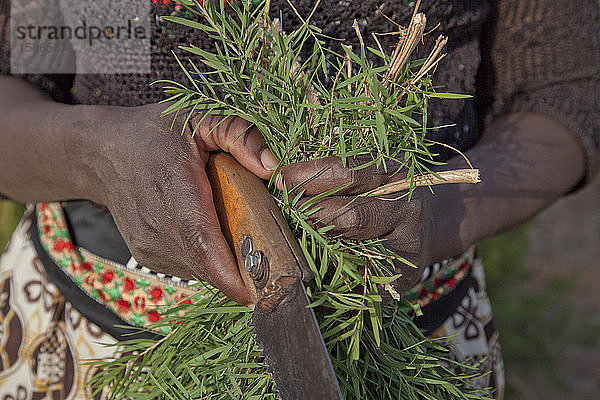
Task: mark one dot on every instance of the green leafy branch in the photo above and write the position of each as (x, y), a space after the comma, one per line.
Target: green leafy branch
(308, 102)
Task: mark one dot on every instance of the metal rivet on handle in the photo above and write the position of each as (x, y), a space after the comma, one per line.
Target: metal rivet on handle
(255, 262)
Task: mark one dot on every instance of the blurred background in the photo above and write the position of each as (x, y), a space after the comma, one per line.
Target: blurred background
(543, 280)
(544, 285)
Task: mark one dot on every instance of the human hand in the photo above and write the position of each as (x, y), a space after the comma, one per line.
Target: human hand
(405, 226)
(153, 182)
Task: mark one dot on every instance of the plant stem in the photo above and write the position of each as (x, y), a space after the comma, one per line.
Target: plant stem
(467, 175)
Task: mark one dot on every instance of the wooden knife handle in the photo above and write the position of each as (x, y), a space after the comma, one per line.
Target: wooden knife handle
(268, 256)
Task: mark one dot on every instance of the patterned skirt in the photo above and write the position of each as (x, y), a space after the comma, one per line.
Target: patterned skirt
(49, 333)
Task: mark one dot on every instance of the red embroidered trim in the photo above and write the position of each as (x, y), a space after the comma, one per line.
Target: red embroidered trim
(442, 282)
(137, 298)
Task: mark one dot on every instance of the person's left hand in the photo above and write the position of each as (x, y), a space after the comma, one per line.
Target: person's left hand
(405, 226)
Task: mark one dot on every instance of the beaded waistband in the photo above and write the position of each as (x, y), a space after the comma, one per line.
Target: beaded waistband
(136, 294)
(440, 278)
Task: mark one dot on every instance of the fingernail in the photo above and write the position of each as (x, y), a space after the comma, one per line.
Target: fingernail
(268, 160)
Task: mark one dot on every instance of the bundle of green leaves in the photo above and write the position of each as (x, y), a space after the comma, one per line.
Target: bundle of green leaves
(308, 102)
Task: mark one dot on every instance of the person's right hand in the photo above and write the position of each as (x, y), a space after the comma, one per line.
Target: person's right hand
(153, 181)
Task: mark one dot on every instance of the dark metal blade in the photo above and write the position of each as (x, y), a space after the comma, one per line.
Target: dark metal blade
(295, 350)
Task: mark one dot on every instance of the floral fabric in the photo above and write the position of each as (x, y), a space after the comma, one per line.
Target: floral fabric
(137, 297)
(473, 334)
(440, 279)
(44, 340)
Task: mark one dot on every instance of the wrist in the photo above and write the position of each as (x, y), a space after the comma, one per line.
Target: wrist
(82, 136)
(449, 236)
(48, 148)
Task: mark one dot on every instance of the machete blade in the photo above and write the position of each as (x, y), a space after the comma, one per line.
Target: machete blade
(273, 267)
(292, 343)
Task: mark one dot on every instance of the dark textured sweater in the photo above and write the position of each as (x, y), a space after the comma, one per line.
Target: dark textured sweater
(512, 55)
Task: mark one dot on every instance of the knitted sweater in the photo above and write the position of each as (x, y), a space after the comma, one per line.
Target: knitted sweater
(512, 55)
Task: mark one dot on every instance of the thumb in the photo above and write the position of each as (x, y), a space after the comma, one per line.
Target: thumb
(237, 137)
(206, 251)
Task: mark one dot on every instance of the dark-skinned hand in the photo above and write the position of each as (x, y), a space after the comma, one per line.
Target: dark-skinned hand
(133, 161)
(153, 182)
(405, 226)
(526, 161)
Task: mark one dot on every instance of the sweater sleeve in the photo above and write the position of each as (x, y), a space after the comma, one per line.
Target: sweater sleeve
(3, 47)
(546, 59)
(58, 86)
(4, 37)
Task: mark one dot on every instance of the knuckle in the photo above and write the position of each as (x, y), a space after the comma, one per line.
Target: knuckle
(164, 181)
(196, 245)
(242, 138)
(323, 213)
(201, 121)
(199, 255)
(350, 221)
(234, 130)
(352, 218)
(339, 174)
(227, 286)
(143, 251)
(366, 218)
(365, 178)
